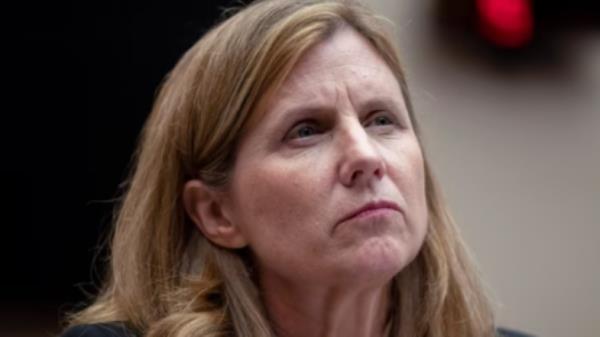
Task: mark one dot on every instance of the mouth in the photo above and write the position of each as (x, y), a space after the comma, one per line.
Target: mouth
(372, 209)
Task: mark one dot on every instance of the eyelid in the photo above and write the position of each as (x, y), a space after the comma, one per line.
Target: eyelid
(304, 122)
(376, 113)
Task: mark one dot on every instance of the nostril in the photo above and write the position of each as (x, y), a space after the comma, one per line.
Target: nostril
(378, 173)
(356, 174)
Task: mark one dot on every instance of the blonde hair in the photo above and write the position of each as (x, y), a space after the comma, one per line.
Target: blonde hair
(166, 279)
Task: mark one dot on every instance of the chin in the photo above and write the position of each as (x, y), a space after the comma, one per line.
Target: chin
(379, 259)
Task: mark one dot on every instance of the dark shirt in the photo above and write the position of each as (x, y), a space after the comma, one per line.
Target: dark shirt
(119, 330)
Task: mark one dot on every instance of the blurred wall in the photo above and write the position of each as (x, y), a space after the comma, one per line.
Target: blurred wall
(516, 146)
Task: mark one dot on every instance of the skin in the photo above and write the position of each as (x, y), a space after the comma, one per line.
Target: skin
(334, 137)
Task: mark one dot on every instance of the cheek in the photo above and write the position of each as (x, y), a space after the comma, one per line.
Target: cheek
(276, 202)
(416, 166)
(280, 210)
(417, 200)
(408, 173)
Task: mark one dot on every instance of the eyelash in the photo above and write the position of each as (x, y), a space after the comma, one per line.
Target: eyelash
(299, 126)
(317, 129)
(391, 120)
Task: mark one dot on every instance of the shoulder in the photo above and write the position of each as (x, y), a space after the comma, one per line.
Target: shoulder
(503, 332)
(99, 330)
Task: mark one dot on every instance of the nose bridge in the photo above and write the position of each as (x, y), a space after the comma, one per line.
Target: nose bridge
(355, 140)
(360, 160)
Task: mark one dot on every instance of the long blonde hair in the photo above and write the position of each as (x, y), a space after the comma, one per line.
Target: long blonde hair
(166, 279)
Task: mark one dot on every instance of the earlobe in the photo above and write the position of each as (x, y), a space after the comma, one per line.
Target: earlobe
(206, 209)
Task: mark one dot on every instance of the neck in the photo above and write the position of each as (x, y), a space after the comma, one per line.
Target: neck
(321, 311)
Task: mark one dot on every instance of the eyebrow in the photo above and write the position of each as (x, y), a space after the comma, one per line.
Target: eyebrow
(305, 110)
(373, 103)
(382, 102)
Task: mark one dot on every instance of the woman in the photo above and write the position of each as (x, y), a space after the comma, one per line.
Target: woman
(281, 190)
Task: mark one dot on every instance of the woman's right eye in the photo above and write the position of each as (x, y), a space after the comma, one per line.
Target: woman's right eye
(303, 130)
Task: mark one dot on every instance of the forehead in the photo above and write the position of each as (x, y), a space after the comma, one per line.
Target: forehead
(346, 57)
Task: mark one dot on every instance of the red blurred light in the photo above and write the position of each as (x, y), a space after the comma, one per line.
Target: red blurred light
(506, 23)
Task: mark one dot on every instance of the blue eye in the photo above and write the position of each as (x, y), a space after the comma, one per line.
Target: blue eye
(306, 131)
(303, 130)
(381, 120)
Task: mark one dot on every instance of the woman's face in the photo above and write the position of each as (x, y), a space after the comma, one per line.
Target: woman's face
(329, 186)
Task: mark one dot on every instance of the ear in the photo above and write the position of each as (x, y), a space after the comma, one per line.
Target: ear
(207, 209)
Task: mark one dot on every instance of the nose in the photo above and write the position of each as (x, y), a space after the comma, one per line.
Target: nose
(361, 163)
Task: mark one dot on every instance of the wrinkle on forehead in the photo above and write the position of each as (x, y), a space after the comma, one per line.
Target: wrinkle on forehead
(317, 73)
(343, 44)
(343, 68)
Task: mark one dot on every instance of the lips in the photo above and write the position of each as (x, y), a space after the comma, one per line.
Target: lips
(371, 206)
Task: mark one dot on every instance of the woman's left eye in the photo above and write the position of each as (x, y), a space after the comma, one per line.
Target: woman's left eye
(380, 120)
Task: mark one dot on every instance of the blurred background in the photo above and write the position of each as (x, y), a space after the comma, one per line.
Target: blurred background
(512, 122)
(507, 93)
